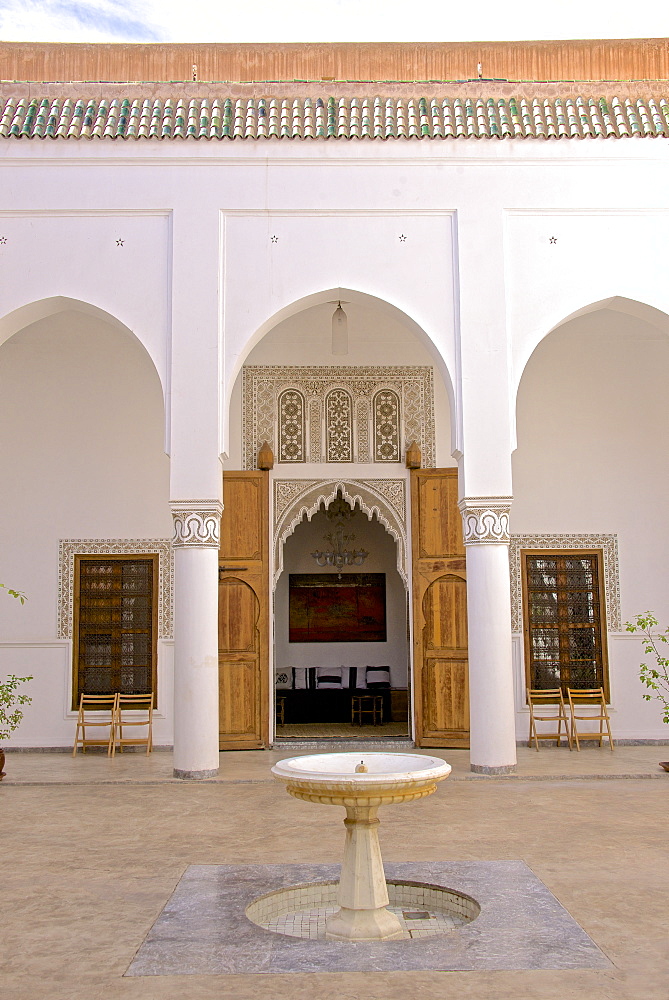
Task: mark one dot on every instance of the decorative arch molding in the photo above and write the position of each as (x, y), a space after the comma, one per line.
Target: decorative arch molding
(295, 498)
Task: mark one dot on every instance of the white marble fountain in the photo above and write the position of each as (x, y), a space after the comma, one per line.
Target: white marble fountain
(362, 782)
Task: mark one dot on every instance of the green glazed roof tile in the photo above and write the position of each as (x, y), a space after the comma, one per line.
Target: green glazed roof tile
(373, 117)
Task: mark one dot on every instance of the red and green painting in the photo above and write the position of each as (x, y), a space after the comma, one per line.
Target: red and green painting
(323, 608)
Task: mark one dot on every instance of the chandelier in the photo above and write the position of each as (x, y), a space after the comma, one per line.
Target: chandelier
(341, 552)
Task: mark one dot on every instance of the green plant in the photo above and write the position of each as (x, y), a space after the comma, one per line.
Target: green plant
(10, 714)
(10, 699)
(14, 593)
(656, 678)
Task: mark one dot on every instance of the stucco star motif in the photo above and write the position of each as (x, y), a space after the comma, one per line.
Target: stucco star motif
(553, 239)
(3, 240)
(402, 238)
(275, 239)
(119, 243)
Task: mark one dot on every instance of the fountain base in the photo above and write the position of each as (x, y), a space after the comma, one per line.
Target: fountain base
(363, 925)
(310, 911)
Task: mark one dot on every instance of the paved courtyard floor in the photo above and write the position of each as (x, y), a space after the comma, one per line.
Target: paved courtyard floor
(94, 848)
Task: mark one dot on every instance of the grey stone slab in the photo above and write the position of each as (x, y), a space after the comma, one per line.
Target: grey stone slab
(203, 929)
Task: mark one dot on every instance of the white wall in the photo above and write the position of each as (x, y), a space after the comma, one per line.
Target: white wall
(369, 535)
(81, 449)
(592, 422)
(199, 281)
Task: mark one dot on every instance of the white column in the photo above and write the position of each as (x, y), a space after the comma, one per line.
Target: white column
(485, 522)
(196, 543)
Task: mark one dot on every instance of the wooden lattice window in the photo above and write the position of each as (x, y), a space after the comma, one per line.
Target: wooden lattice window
(564, 619)
(115, 625)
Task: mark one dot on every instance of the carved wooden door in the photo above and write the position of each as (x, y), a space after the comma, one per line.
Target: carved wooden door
(440, 671)
(243, 605)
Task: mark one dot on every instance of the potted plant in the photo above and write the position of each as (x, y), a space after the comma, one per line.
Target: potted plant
(654, 676)
(10, 712)
(10, 698)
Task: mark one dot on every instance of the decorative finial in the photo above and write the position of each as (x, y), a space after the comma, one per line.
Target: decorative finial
(361, 768)
(414, 456)
(265, 457)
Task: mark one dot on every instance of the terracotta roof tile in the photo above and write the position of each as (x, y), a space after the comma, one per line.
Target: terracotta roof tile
(334, 118)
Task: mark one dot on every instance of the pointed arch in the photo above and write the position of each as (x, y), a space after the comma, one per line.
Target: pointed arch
(41, 309)
(636, 309)
(330, 296)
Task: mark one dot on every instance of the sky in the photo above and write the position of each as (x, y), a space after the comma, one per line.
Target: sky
(329, 20)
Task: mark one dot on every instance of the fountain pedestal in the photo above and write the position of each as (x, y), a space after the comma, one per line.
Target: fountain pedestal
(363, 895)
(362, 786)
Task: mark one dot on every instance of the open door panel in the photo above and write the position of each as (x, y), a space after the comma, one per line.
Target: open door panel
(243, 609)
(440, 670)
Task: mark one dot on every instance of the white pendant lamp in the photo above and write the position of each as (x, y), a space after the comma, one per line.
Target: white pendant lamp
(339, 331)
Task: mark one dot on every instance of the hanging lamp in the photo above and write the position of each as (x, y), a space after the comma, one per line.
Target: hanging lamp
(339, 331)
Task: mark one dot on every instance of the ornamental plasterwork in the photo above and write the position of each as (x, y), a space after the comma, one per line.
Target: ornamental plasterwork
(71, 547)
(295, 499)
(339, 433)
(291, 426)
(607, 543)
(386, 427)
(196, 523)
(485, 520)
(339, 426)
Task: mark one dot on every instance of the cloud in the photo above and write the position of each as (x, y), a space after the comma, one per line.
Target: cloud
(280, 21)
(86, 21)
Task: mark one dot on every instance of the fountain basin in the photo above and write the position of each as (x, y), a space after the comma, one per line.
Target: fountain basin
(361, 782)
(391, 778)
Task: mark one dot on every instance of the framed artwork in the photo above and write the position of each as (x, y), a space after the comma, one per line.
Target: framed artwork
(324, 607)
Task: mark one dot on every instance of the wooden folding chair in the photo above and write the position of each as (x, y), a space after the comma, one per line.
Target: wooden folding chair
(593, 698)
(133, 703)
(553, 699)
(90, 708)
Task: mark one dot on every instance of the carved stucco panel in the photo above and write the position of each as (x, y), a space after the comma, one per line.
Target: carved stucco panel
(71, 547)
(609, 546)
(263, 384)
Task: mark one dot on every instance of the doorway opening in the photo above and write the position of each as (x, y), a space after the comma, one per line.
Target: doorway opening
(341, 632)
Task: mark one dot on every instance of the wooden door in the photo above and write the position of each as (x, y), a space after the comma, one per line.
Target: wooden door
(243, 619)
(440, 670)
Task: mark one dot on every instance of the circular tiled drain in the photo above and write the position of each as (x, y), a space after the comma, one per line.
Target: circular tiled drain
(302, 910)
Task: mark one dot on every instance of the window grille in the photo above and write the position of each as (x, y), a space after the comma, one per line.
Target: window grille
(565, 639)
(115, 628)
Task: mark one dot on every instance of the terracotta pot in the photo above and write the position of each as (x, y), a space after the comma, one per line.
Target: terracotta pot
(2, 763)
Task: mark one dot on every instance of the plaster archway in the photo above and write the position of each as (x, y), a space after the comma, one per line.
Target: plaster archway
(39, 309)
(637, 310)
(329, 298)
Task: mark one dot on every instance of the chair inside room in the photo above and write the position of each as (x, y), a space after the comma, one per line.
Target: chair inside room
(96, 711)
(133, 703)
(367, 708)
(594, 700)
(551, 708)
